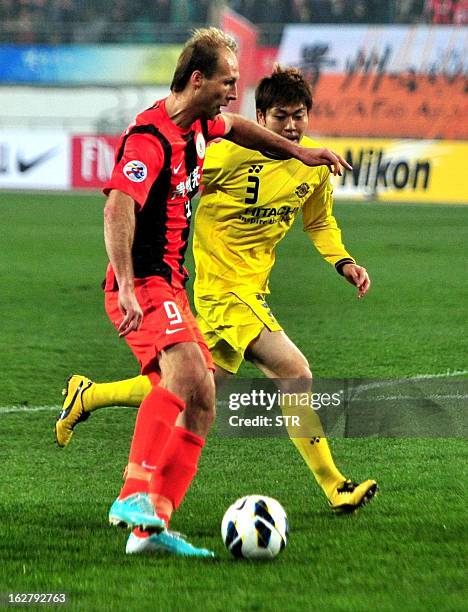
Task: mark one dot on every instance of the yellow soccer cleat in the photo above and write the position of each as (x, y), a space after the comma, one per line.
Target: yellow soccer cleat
(351, 495)
(73, 408)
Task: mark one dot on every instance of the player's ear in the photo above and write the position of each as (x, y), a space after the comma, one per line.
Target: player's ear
(260, 117)
(197, 79)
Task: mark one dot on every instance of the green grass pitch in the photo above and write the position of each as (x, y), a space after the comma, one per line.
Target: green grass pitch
(406, 551)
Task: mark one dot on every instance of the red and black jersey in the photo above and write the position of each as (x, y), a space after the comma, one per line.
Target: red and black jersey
(160, 166)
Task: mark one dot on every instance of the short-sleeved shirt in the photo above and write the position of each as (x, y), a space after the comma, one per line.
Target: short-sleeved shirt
(250, 201)
(159, 165)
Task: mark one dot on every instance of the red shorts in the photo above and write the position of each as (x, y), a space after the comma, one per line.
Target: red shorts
(167, 320)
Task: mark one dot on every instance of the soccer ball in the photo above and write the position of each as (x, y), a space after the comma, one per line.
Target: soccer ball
(255, 527)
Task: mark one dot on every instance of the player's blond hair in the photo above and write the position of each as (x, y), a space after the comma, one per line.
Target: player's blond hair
(201, 52)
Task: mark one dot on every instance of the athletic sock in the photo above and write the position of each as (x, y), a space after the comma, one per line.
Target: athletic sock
(316, 453)
(176, 469)
(154, 424)
(140, 533)
(313, 447)
(130, 392)
(163, 506)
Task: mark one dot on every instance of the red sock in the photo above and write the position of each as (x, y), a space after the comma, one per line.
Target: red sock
(140, 533)
(155, 421)
(176, 470)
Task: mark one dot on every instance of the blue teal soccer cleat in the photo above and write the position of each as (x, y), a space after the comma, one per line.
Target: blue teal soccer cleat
(136, 511)
(166, 541)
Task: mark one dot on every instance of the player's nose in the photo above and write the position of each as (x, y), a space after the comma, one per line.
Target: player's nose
(232, 95)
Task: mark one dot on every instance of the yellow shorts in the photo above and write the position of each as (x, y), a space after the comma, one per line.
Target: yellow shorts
(229, 322)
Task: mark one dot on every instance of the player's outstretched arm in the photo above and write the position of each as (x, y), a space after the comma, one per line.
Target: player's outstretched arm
(253, 136)
(357, 276)
(119, 230)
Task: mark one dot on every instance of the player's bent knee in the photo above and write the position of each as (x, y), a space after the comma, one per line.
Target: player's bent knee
(184, 371)
(299, 371)
(294, 366)
(204, 396)
(192, 378)
(298, 379)
(304, 373)
(200, 409)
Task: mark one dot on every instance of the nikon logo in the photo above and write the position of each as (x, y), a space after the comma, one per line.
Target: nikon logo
(376, 170)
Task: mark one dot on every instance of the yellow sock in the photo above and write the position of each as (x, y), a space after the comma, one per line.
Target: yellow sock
(130, 392)
(316, 453)
(307, 436)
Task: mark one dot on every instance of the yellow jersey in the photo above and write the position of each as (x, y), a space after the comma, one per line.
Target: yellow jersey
(249, 202)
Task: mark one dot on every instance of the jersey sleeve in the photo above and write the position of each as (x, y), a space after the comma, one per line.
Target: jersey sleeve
(216, 127)
(135, 173)
(321, 225)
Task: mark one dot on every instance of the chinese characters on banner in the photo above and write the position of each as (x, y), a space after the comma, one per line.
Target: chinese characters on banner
(397, 81)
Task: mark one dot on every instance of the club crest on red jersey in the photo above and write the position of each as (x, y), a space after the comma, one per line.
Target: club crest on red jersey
(200, 145)
(135, 171)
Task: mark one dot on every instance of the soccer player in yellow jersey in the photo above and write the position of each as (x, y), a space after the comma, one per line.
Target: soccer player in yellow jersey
(249, 202)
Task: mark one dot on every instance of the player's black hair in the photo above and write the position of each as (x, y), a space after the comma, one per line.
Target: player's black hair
(201, 52)
(283, 87)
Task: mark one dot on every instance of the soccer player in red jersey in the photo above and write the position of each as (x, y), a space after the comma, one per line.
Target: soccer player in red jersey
(157, 171)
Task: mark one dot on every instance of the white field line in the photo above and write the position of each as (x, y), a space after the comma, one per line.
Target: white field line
(8, 409)
(437, 396)
(447, 374)
(402, 381)
(16, 409)
(376, 385)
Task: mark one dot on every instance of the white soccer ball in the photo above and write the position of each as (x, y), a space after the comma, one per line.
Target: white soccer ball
(255, 527)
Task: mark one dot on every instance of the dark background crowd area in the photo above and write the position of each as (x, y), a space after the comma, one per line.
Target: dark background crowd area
(166, 21)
